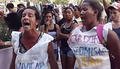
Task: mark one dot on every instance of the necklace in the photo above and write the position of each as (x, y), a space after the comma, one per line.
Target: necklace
(67, 25)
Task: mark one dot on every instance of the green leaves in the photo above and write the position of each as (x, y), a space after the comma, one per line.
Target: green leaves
(61, 2)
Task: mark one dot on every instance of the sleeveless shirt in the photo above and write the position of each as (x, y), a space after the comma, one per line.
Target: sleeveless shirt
(34, 58)
(89, 52)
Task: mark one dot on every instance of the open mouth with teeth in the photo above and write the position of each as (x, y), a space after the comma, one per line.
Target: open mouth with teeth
(26, 24)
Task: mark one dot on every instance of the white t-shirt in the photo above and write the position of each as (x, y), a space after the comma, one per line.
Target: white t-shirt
(109, 25)
(34, 58)
(89, 52)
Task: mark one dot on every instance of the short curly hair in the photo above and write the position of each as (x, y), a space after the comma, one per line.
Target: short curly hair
(10, 5)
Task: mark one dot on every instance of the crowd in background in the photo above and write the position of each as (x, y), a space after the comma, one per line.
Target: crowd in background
(85, 36)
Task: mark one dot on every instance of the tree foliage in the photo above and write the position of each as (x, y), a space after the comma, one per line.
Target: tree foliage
(61, 2)
(44, 1)
(54, 1)
(107, 1)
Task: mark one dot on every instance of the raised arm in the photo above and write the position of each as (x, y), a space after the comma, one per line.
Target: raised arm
(106, 5)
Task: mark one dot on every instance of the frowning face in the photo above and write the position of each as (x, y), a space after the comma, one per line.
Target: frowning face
(29, 20)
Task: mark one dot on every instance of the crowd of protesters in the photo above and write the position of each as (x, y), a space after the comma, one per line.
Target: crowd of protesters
(86, 37)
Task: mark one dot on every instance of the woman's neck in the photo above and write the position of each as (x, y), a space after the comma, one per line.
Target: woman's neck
(69, 21)
(51, 26)
(77, 17)
(30, 34)
(117, 22)
(91, 25)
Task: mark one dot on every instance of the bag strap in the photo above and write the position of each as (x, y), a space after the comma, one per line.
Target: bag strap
(100, 34)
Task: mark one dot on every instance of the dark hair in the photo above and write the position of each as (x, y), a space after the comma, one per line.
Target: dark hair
(77, 7)
(95, 6)
(71, 8)
(56, 10)
(13, 21)
(20, 5)
(10, 5)
(49, 12)
(116, 0)
(48, 8)
(43, 18)
(37, 14)
(20, 13)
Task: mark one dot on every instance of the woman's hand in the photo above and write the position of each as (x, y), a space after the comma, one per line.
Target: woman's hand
(7, 43)
(47, 23)
(2, 43)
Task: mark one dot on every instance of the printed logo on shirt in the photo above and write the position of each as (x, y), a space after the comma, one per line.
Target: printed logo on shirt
(77, 38)
(89, 61)
(30, 65)
(89, 56)
(88, 50)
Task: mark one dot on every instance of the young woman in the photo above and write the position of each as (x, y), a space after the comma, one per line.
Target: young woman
(52, 29)
(33, 49)
(90, 53)
(67, 56)
(77, 15)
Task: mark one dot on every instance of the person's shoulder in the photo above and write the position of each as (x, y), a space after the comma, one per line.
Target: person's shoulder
(77, 29)
(15, 33)
(43, 27)
(106, 29)
(108, 26)
(56, 25)
(15, 36)
(47, 36)
(109, 23)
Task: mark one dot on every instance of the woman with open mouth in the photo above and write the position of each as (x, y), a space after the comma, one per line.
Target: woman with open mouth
(33, 49)
(89, 50)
